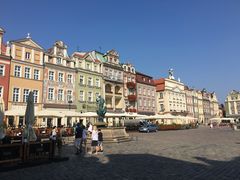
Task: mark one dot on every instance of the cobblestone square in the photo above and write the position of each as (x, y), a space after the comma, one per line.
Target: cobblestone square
(201, 153)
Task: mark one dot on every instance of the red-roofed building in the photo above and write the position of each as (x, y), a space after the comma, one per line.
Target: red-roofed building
(4, 71)
(146, 94)
(170, 96)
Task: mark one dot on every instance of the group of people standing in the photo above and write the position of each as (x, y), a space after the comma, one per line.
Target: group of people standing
(81, 134)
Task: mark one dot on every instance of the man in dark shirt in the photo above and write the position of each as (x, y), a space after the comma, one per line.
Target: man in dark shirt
(78, 138)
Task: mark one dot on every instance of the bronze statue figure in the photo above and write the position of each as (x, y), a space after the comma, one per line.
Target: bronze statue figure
(101, 109)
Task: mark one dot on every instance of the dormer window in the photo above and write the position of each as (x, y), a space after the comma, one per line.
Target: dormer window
(27, 55)
(59, 60)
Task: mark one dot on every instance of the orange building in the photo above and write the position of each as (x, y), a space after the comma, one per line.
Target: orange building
(26, 74)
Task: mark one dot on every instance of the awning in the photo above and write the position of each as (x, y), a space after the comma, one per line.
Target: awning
(88, 114)
(49, 113)
(15, 112)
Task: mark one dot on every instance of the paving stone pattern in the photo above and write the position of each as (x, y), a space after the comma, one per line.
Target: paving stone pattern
(201, 153)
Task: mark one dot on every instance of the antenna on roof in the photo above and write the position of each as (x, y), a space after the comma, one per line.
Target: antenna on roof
(100, 48)
(78, 48)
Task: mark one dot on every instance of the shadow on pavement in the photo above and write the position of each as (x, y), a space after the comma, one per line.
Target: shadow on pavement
(133, 166)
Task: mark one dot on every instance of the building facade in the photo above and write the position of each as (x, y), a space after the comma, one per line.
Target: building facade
(113, 80)
(171, 97)
(26, 75)
(232, 104)
(130, 88)
(89, 80)
(192, 102)
(59, 85)
(146, 94)
(200, 107)
(4, 71)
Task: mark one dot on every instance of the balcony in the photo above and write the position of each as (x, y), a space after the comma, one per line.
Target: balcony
(133, 110)
(131, 85)
(110, 92)
(132, 98)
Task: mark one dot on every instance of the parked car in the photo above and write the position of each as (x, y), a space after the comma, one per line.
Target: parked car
(148, 128)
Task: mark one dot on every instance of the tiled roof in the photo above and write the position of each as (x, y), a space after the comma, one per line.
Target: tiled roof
(160, 87)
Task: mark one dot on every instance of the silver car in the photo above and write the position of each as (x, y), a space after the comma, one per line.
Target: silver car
(148, 128)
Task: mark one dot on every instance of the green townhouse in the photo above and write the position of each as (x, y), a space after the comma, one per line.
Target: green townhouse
(89, 80)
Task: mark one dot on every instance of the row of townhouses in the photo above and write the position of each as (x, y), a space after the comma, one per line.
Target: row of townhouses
(64, 84)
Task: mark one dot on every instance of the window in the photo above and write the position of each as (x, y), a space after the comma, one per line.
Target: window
(69, 78)
(35, 96)
(144, 92)
(162, 107)
(80, 64)
(17, 71)
(50, 93)
(153, 104)
(81, 81)
(95, 67)
(69, 95)
(51, 76)
(27, 55)
(97, 82)
(60, 95)
(1, 91)
(60, 77)
(89, 81)
(16, 93)
(25, 95)
(145, 103)
(59, 60)
(81, 96)
(133, 79)
(88, 67)
(2, 70)
(140, 102)
(140, 90)
(27, 72)
(36, 74)
(161, 95)
(90, 98)
(148, 92)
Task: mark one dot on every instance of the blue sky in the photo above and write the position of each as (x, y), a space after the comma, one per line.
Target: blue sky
(199, 39)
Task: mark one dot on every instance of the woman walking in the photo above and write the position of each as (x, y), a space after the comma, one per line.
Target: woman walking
(94, 143)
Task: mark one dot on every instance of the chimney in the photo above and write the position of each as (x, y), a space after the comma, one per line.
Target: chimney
(1, 38)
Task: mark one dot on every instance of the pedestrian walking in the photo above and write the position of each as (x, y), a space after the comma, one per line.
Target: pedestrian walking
(100, 140)
(53, 138)
(94, 142)
(60, 140)
(78, 138)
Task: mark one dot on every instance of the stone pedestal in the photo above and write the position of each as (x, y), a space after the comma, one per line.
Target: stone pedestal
(114, 134)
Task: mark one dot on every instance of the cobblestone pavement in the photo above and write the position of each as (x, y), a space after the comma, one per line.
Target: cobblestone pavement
(201, 153)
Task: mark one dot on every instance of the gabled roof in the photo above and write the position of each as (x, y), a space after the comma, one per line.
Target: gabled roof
(28, 42)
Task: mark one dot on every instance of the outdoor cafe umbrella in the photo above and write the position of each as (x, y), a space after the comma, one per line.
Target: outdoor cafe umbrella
(2, 126)
(29, 134)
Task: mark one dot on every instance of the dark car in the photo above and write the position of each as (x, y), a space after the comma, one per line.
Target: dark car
(148, 128)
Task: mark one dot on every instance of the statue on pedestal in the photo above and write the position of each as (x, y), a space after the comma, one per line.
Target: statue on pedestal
(101, 109)
(170, 74)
